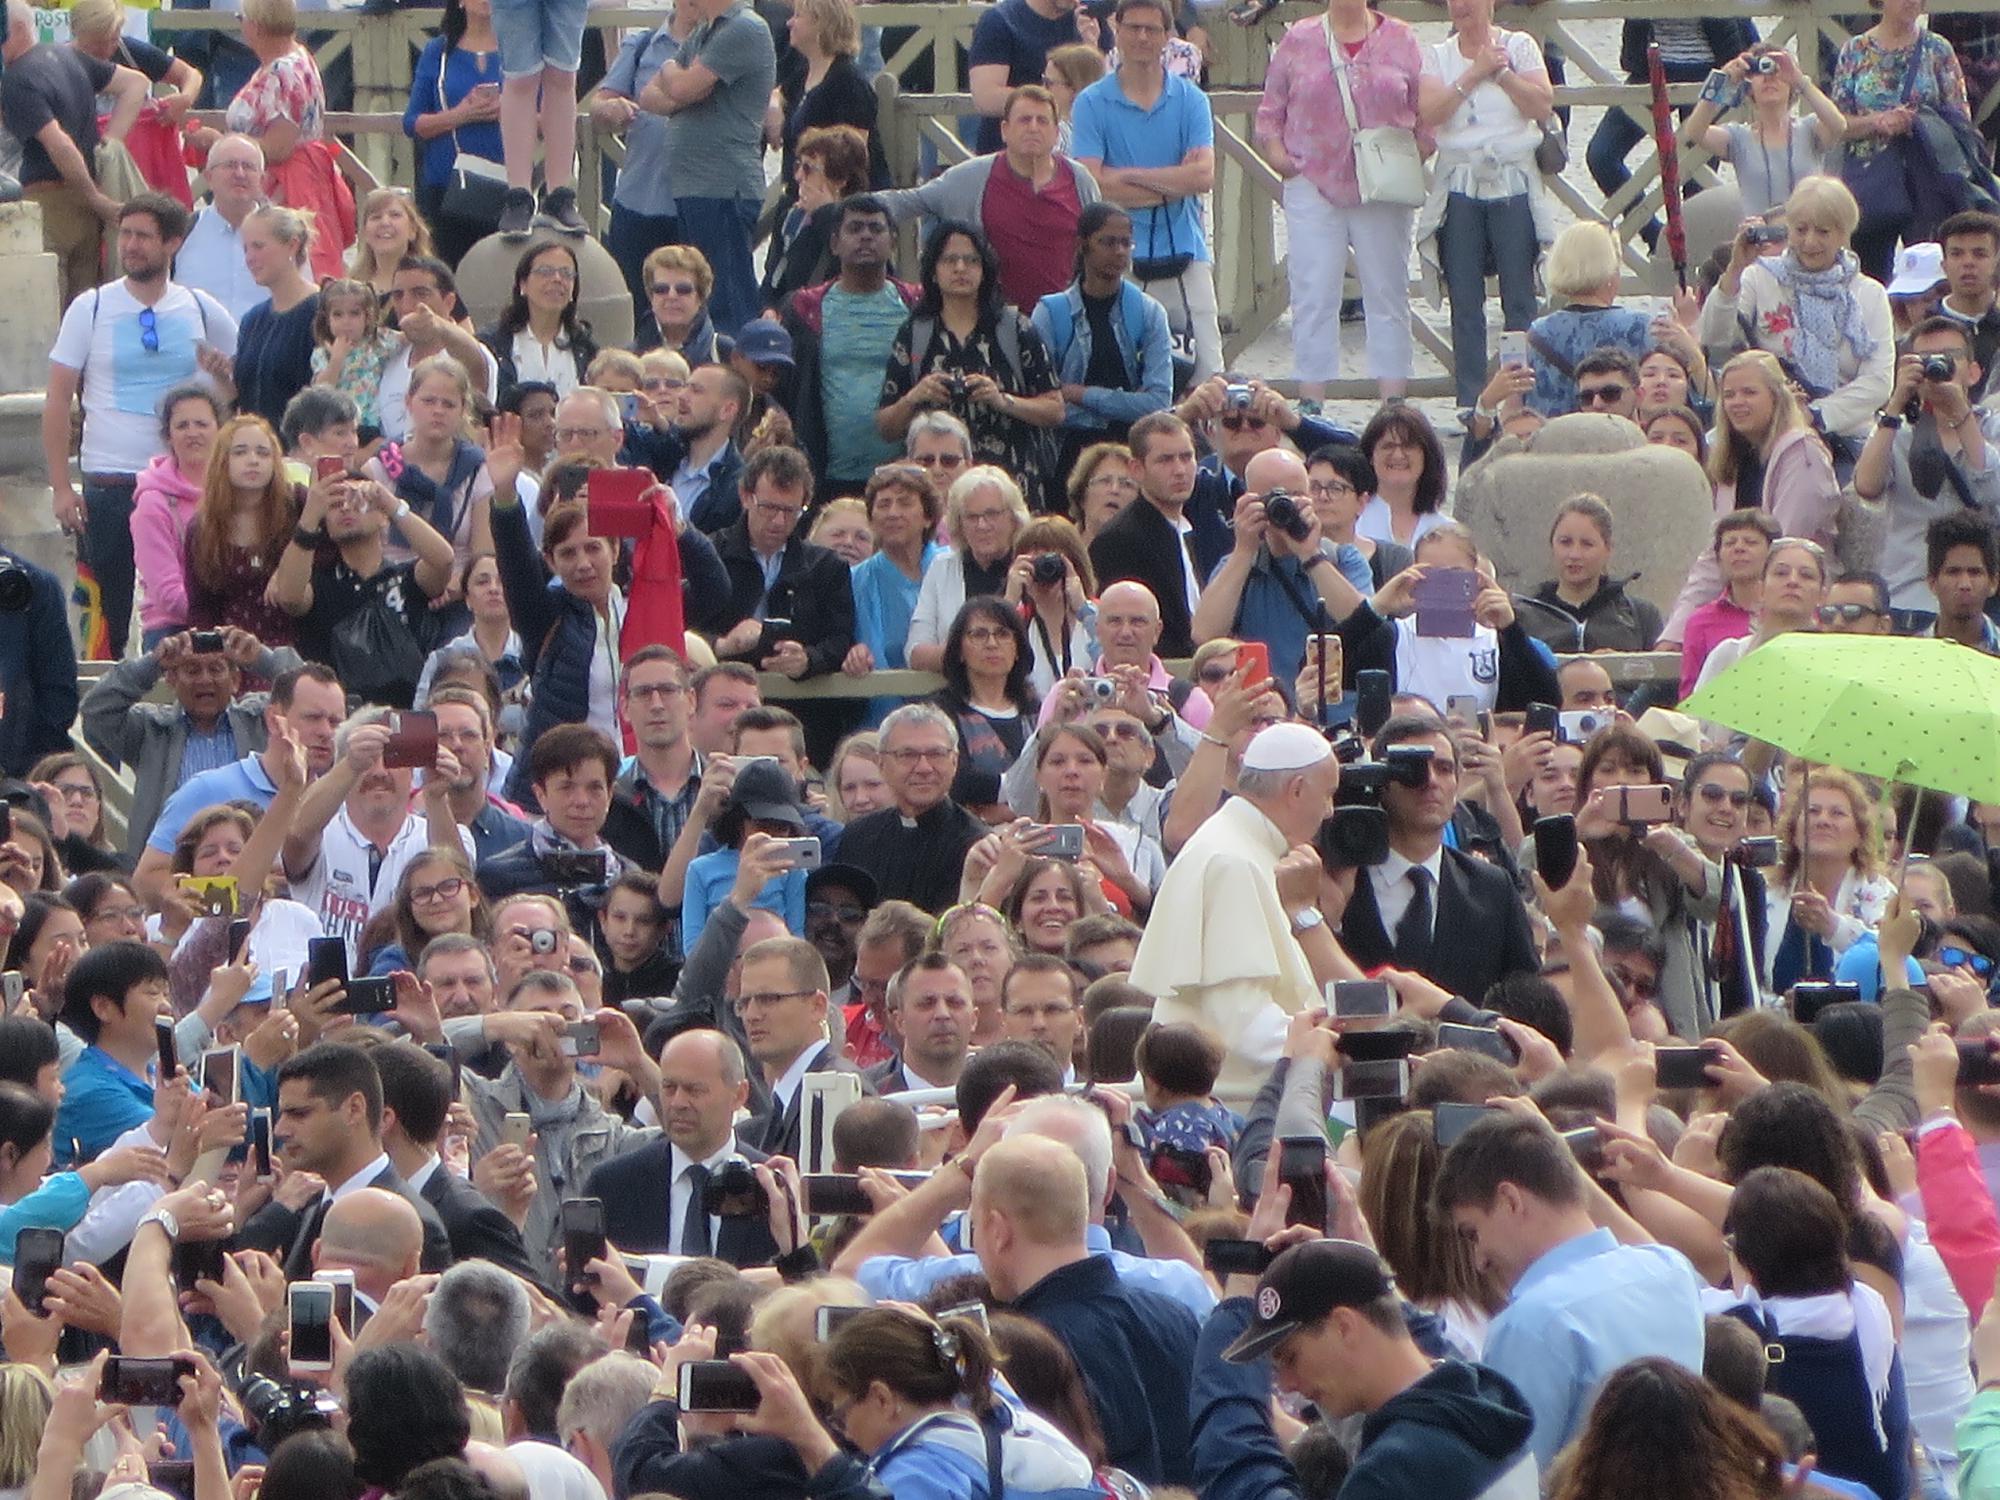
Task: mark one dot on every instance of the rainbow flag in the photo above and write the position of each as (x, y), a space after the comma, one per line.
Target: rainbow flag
(93, 631)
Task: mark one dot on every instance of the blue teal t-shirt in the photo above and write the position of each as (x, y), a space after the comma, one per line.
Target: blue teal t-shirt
(1106, 126)
(857, 331)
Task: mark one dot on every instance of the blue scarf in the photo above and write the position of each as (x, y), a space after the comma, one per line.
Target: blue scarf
(1828, 315)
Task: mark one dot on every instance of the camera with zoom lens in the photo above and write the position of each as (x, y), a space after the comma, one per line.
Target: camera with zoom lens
(733, 1192)
(17, 589)
(279, 1409)
(1357, 834)
(1282, 510)
(1048, 569)
(1938, 367)
(1764, 65)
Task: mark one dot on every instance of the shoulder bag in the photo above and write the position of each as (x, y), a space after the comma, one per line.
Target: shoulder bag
(476, 189)
(1388, 166)
(1880, 181)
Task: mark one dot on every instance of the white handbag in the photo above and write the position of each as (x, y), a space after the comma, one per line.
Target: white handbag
(1388, 166)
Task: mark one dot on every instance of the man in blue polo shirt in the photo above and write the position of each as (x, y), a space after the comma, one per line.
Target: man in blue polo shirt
(1148, 138)
(110, 1001)
(307, 705)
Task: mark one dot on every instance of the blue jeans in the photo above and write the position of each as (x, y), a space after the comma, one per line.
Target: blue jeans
(631, 238)
(1477, 233)
(720, 229)
(107, 548)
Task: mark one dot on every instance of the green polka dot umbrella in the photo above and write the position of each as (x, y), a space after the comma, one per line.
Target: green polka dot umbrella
(1924, 712)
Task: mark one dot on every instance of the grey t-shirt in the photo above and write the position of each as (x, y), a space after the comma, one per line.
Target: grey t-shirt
(1766, 177)
(717, 146)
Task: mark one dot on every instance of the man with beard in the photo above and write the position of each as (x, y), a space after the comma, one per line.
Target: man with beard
(465, 728)
(355, 833)
(124, 346)
(696, 456)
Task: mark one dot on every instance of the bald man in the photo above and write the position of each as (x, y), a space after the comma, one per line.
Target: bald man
(375, 1234)
(211, 257)
(1136, 1348)
(1280, 567)
(653, 1196)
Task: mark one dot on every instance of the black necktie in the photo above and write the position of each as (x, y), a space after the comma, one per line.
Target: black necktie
(1413, 932)
(694, 1225)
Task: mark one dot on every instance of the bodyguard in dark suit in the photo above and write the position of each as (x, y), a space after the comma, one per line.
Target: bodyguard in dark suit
(416, 1098)
(653, 1196)
(1153, 540)
(329, 1122)
(781, 996)
(1449, 916)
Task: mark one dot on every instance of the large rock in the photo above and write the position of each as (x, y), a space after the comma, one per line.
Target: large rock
(30, 313)
(1662, 505)
(486, 281)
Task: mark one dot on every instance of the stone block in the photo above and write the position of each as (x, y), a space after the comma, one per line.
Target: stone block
(29, 317)
(1662, 505)
(486, 282)
(20, 228)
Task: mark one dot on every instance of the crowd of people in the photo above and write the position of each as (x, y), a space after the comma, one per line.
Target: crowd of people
(516, 984)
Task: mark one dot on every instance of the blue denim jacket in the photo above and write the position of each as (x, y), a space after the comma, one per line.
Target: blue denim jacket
(1059, 318)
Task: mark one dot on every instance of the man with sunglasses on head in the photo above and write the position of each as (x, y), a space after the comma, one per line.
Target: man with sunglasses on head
(122, 347)
(1240, 418)
(1856, 604)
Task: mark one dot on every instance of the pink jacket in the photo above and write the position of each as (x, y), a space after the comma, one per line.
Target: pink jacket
(163, 506)
(1800, 494)
(1959, 1211)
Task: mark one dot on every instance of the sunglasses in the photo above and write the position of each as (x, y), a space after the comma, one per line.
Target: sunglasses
(1709, 792)
(1955, 957)
(149, 330)
(1828, 614)
(671, 288)
(1237, 422)
(1590, 395)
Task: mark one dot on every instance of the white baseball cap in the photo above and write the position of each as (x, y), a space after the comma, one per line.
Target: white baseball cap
(1919, 268)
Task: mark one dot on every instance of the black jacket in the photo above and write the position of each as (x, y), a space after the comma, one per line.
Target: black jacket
(478, 1230)
(1726, 38)
(812, 591)
(37, 669)
(1609, 620)
(582, 349)
(1473, 897)
(921, 865)
(779, 1132)
(1368, 641)
(289, 1237)
(803, 315)
(647, 1456)
(635, 1188)
(1141, 544)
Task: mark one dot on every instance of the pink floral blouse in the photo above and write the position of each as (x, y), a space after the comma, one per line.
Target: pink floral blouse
(1302, 99)
(286, 89)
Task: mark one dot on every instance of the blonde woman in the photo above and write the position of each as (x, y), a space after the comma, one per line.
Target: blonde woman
(1774, 150)
(1829, 888)
(842, 527)
(437, 467)
(1813, 307)
(25, 1398)
(854, 784)
(283, 109)
(1100, 486)
(1067, 72)
(97, 29)
(274, 347)
(1582, 272)
(984, 512)
(391, 228)
(678, 279)
(821, 84)
(1765, 456)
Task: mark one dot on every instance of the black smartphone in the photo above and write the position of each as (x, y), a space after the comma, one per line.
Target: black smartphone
(1810, 997)
(1450, 1120)
(1541, 718)
(716, 1385)
(447, 1054)
(1487, 1039)
(1373, 1080)
(260, 1142)
(1555, 850)
(172, 1476)
(1181, 1172)
(639, 1336)
(38, 1254)
(1236, 1257)
(1376, 1046)
(1372, 692)
(326, 958)
(6, 822)
(1682, 1067)
(1350, 999)
(1302, 1168)
(163, 1044)
(583, 1242)
(239, 938)
(829, 1193)
(147, 1382)
(197, 1260)
(367, 996)
(1978, 1062)
(1584, 1142)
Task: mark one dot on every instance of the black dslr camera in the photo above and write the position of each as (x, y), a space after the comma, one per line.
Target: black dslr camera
(1282, 510)
(1939, 367)
(1357, 834)
(733, 1192)
(1047, 569)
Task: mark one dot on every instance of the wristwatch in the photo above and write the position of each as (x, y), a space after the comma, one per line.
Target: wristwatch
(401, 512)
(1888, 419)
(310, 540)
(163, 1217)
(1307, 920)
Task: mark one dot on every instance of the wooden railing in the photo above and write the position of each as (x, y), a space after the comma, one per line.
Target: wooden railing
(1250, 274)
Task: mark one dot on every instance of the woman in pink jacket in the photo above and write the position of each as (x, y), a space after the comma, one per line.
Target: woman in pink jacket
(163, 507)
(1765, 457)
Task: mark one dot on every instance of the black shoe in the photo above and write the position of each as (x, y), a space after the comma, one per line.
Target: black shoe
(559, 211)
(517, 214)
(1351, 310)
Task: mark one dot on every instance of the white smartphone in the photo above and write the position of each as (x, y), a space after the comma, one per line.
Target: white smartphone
(342, 1283)
(309, 1310)
(516, 1130)
(1514, 347)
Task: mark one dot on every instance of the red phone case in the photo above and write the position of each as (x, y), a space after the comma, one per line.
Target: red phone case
(617, 508)
(1257, 657)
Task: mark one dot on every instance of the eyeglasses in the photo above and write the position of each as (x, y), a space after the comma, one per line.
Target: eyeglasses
(656, 690)
(671, 289)
(1237, 422)
(1708, 791)
(149, 330)
(84, 793)
(841, 912)
(554, 273)
(664, 382)
(1590, 395)
(1120, 730)
(960, 259)
(808, 167)
(1330, 489)
(1955, 957)
(1844, 614)
(119, 914)
(744, 1003)
(982, 635)
(909, 755)
(1639, 986)
(778, 508)
(579, 434)
(445, 890)
(943, 461)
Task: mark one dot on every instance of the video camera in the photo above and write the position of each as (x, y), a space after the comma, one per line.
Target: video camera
(1357, 834)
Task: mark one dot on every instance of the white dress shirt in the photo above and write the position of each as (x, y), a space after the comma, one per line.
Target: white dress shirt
(680, 1191)
(786, 1089)
(1393, 891)
(364, 1178)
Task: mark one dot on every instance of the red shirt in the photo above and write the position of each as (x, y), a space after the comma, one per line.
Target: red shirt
(1033, 233)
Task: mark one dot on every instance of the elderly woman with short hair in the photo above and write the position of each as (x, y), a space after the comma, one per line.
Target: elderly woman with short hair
(984, 513)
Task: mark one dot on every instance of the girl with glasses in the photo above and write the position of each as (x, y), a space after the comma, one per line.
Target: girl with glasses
(436, 895)
(110, 910)
(1408, 463)
(984, 515)
(66, 779)
(987, 693)
(1100, 486)
(540, 335)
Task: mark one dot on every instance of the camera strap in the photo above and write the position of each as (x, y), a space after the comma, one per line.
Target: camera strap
(1313, 611)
